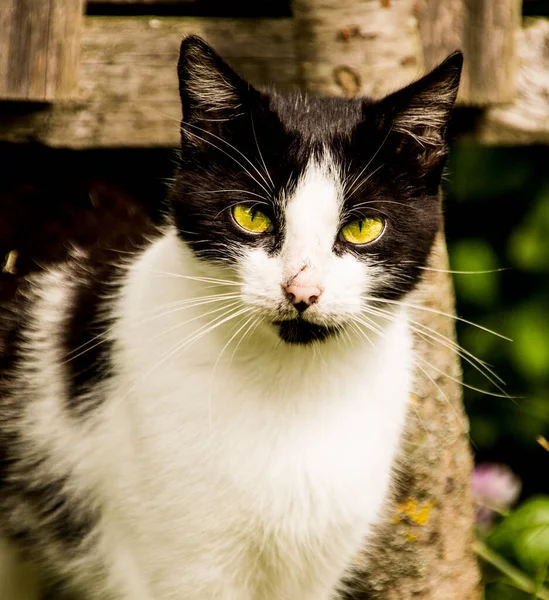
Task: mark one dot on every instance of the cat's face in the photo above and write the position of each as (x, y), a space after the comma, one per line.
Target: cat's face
(319, 207)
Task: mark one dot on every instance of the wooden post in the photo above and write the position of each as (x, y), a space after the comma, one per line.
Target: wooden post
(39, 48)
(486, 31)
(491, 50)
(423, 551)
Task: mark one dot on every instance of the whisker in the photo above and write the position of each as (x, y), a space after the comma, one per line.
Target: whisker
(248, 331)
(194, 278)
(414, 408)
(90, 345)
(261, 155)
(263, 199)
(460, 420)
(189, 340)
(470, 358)
(461, 272)
(352, 191)
(356, 187)
(437, 312)
(195, 318)
(265, 189)
(471, 387)
(447, 342)
(247, 319)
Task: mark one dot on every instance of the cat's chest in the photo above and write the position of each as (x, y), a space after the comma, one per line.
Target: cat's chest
(276, 449)
(255, 460)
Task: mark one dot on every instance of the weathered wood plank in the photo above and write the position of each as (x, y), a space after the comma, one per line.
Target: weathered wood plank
(526, 120)
(486, 32)
(490, 46)
(128, 88)
(39, 48)
(441, 25)
(339, 45)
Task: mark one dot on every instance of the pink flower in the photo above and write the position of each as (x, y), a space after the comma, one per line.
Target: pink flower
(495, 489)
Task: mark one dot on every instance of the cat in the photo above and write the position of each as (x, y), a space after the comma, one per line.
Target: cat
(213, 409)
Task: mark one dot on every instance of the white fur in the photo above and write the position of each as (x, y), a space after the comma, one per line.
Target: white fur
(224, 472)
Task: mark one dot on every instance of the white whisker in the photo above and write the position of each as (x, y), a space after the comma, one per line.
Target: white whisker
(265, 189)
(436, 312)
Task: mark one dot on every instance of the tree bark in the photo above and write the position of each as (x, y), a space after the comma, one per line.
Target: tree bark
(423, 548)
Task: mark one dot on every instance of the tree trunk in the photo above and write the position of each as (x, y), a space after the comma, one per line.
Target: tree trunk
(423, 549)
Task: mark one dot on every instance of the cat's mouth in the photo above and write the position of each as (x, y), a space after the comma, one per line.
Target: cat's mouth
(299, 331)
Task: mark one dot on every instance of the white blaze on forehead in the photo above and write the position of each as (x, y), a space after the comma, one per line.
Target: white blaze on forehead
(312, 217)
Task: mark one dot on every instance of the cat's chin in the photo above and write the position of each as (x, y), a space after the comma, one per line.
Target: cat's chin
(300, 331)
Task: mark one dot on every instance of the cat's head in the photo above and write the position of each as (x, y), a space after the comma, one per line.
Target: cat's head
(319, 207)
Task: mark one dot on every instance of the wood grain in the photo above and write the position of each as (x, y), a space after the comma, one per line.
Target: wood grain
(127, 93)
(526, 119)
(39, 48)
(486, 32)
(128, 88)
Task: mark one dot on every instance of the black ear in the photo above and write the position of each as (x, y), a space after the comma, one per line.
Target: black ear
(422, 109)
(210, 90)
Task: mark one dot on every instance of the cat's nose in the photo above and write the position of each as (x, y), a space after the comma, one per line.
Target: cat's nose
(302, 296)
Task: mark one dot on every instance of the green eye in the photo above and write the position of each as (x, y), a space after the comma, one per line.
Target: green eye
(363, 231)
(251, 219)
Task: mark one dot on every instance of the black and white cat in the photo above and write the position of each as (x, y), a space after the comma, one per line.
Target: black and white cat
(214, 413)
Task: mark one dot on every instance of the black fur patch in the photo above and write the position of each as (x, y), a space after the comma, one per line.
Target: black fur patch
(56, 512)
(299, 331)
(86, 338)
(86, 343)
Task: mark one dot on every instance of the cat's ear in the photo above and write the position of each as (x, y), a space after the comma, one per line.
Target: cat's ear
(211, 92)
(422, 109)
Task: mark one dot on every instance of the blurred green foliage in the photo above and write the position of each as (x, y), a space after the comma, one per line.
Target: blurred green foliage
(497, 219)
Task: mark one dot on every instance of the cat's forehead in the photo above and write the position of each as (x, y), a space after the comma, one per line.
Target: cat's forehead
(316, 118)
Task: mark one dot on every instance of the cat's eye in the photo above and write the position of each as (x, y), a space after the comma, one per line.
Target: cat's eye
(363, 231)
(251, 219)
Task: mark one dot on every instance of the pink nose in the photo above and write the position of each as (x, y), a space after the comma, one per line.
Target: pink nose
(302, 296)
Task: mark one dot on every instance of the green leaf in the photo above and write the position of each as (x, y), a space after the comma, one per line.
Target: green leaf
(523, 536)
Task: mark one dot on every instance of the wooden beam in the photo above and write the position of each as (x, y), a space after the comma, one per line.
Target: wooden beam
(491, 51)
(128, 88)
(39, 48)
(486, 32)
(526, 119)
